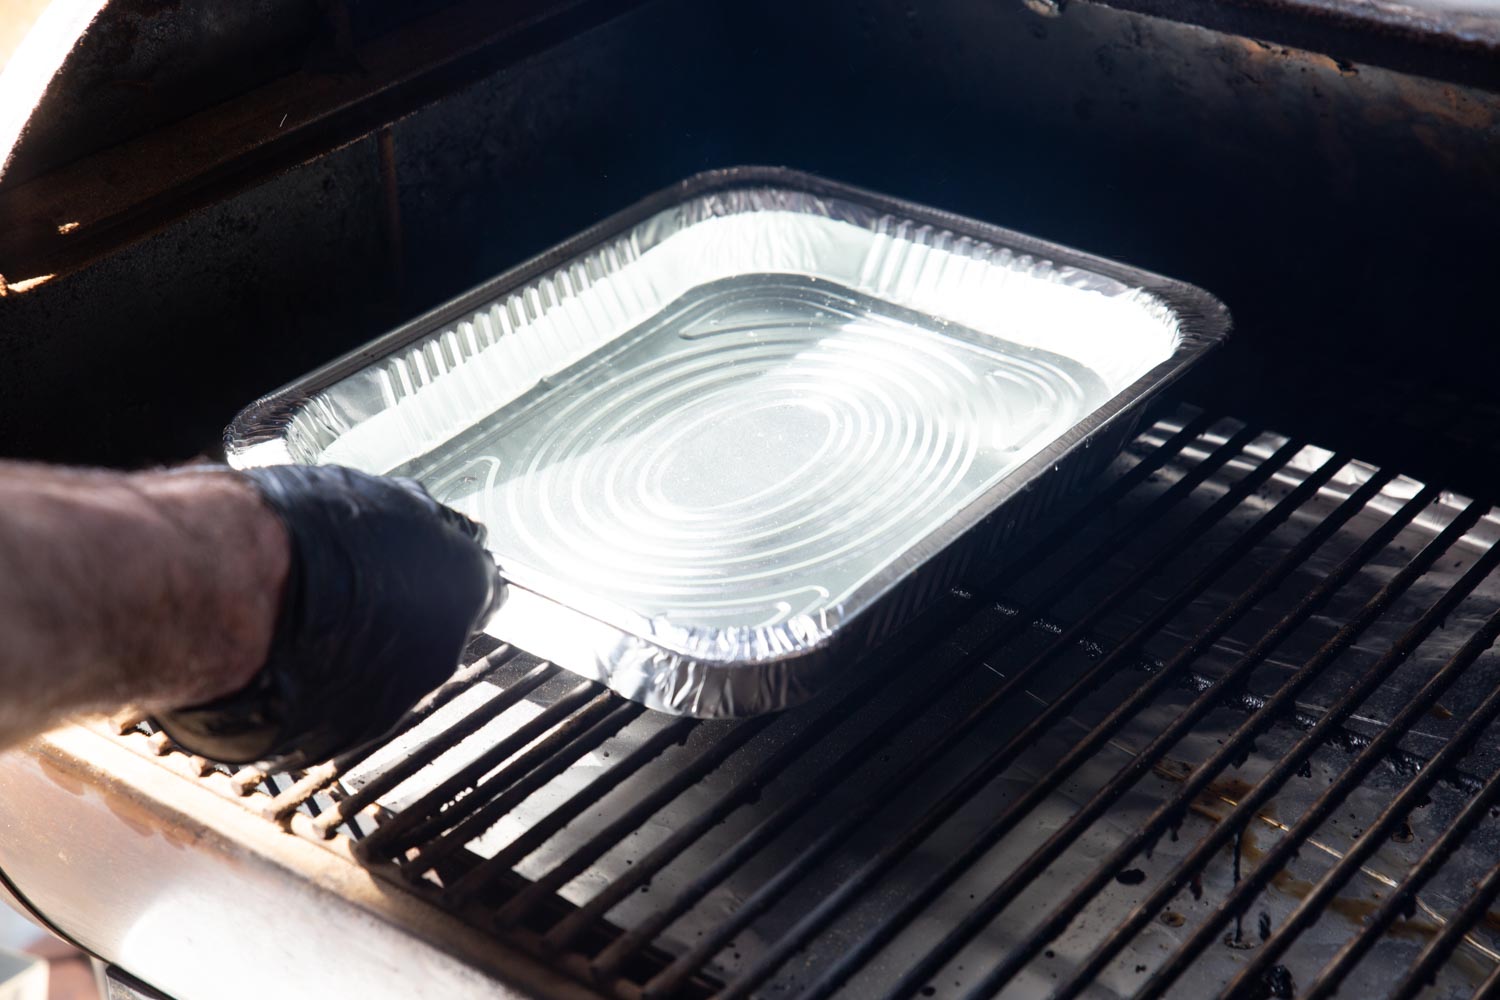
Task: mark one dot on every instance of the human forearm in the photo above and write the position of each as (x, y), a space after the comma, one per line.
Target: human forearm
(154, 589)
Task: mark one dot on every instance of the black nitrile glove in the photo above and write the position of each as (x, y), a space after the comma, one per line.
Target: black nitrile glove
(384, 590)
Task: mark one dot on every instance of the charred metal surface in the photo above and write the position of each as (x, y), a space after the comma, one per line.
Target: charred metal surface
(142, 64)
(89, 206)
(1453, 40)
(145, 63)
(171, 834)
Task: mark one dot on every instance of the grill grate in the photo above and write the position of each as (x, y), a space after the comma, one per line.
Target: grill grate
(1223, 728)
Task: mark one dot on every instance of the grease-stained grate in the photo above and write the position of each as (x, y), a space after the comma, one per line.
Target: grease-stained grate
(1224, 727)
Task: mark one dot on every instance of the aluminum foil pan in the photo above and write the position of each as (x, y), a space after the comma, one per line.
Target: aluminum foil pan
(731, 437)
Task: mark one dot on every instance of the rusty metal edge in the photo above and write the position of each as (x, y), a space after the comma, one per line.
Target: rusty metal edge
(213, 822)
(1442, 47)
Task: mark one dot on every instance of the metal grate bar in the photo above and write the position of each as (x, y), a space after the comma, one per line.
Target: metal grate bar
(1410, 797)
(890, 925)
(839, 849)
(1199, 780)
(1044, 547)
(567, 931)
(430, 804)
(862, 881)
(1237, 746)
(475, 783)
(1491, 985)
(1425, 968)
(543, 830)
(428, 751)
(456, 838)
(606, 838)
(608, 962)
(743, 791)
(629, 943)
(1302, 716)
(671, 979)
(318, 778)
(1207, 699)
(384, 839)
(1143, 469)
(312, 806)
(1402, 901)
(1371, 755)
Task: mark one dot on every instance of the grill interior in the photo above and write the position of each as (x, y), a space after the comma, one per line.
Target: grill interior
(1213, 702)
(1225, 726)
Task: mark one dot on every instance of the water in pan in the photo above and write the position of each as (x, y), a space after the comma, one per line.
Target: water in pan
(754, 453)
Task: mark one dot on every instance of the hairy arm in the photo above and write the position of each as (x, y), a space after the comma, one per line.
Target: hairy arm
(155, 590)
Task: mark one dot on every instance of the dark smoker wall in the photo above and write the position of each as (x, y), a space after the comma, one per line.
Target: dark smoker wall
(1345, 213)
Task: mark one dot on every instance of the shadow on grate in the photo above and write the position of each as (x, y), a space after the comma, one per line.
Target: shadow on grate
(1222, 728)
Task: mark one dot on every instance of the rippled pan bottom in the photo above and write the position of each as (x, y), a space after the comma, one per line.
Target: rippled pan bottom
(731, 438)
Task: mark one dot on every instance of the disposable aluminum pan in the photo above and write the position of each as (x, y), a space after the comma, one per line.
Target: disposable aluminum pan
(730, 438)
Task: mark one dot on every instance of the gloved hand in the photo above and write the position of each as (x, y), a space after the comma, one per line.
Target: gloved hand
(385, 587)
